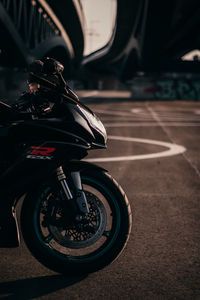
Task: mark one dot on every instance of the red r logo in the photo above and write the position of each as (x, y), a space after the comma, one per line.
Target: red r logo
(46, 151)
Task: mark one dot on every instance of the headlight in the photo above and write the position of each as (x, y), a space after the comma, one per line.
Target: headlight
(94, 122)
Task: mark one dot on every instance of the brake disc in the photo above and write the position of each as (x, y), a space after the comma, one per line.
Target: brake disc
(86, 232)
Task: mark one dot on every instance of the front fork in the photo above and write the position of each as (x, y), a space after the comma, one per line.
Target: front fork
(80, 197)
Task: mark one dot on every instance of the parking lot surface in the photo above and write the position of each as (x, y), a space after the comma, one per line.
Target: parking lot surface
(154, 153)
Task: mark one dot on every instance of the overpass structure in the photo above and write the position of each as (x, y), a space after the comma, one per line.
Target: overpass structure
(31, 29)
(149, 36)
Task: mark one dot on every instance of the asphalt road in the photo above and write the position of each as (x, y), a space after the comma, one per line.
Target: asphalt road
(162, 259)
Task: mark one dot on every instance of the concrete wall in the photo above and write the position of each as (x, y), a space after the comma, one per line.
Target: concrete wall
(166, 87)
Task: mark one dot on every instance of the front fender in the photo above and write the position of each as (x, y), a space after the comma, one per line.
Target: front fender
(77, 165)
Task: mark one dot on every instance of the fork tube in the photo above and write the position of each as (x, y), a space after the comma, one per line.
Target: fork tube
(62, 179)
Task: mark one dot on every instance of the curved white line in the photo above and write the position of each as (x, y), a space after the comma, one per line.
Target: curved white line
(173, 149)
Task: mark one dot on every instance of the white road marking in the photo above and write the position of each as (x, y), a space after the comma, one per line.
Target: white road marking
(136, 110)
(137, 114)
(173, 149)
(151, 124)
(113, 112)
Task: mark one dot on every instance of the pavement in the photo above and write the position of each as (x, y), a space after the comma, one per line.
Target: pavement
(154, 153)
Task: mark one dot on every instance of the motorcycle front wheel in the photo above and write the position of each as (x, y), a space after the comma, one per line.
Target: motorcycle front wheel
(88, 245)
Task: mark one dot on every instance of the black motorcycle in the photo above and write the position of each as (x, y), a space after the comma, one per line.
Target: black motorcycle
(75, 218)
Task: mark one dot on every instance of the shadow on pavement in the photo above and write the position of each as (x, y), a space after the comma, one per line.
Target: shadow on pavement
(36, 287)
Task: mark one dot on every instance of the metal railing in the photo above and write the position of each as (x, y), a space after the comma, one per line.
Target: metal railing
(31, 21)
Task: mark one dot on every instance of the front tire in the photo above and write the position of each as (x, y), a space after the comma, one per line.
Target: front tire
(78, 250)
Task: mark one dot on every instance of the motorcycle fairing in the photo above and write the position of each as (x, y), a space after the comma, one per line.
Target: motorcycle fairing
(52, 129)
(42, 146)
